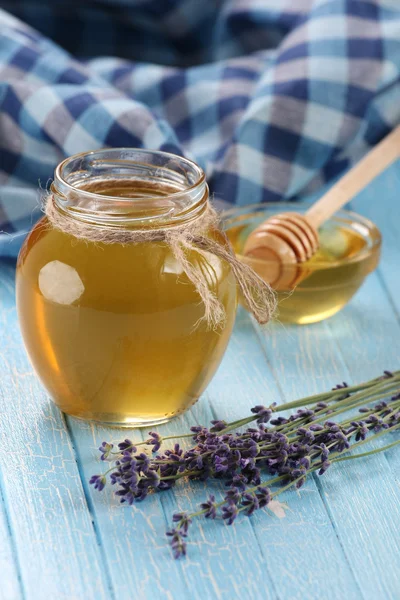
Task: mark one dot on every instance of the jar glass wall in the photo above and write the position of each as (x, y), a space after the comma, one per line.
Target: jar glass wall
(115, 331)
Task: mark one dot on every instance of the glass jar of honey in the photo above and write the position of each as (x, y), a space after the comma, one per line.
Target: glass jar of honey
(116, 331)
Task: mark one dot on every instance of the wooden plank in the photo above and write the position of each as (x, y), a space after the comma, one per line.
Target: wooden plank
(54, 538)
(380, 202)
(262, 553)
(361, 498)
(304, 545)
(9, 586)
(371, 343)
(136, 534)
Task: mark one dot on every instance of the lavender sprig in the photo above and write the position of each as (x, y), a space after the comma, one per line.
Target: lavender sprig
(287, 448)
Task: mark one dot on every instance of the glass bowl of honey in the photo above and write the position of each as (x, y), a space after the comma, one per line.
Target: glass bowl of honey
(349, 250)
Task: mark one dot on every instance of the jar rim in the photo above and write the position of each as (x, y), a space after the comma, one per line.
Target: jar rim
(102, 151)
(179, 184)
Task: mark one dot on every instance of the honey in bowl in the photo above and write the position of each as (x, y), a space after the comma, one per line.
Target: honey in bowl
(349, 250)
(115, 331)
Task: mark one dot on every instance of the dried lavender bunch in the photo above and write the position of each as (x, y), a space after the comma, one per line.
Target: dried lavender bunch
(286, 448)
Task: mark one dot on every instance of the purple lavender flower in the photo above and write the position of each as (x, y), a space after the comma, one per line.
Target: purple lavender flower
(279, 421)
(323, 450)
(377, 423)
(302, 413)
(165, 485)
(175, 453)
(251, 502)
(210, 507)
(99, 482)
(342, 443)
(218, 425)
(141, 494)
(279, 438)
(291, 448)
(184, 521)
(130, 478)
(324, 467)
(300, 471)
(200, 434)
(177, 542)
(239, 480)
(316, 427)
(277, 463)
(169, 469)
(235, 459)
(380, 406)
(360, 429)
(127, 462)
(305, 461)
(115, 477)
(145, 462)
(233, 496)
(251, 474)
(298, 449)
(127, 494)
(153, 478)
(127, 445)
(250, 448)
(220, 464)
(263, 496)
(332, 426)
(229, 513)
(154, 440)
(205, 474)
(341, 386)
(197, 428)
(105, 450)
(263, 413)
(306, 436)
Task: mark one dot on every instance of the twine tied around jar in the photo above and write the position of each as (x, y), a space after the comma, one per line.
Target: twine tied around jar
(257, 294)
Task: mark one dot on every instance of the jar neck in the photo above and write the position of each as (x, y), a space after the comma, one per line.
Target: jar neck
(130, 188)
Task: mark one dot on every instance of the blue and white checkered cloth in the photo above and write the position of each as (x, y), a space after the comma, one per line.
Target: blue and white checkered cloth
(273, 98)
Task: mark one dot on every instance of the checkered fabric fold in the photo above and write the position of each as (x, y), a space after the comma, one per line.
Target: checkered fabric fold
(273, 98)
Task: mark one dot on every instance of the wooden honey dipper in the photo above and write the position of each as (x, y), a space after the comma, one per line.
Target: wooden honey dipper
(283, 241)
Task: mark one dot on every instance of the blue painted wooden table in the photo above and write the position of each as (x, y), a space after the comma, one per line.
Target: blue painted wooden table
(340, 537)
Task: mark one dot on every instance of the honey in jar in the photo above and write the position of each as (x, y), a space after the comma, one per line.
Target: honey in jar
(116, 331)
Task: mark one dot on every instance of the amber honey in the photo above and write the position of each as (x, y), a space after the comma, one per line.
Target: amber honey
(115, 332)
(349, 251)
